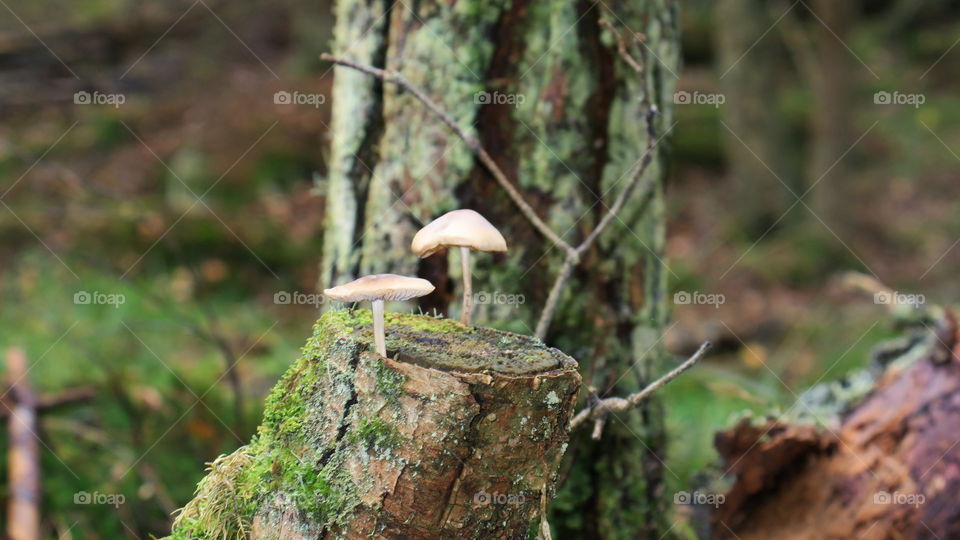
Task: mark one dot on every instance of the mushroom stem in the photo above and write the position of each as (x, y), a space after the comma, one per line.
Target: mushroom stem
(378, 336)
(467, 314)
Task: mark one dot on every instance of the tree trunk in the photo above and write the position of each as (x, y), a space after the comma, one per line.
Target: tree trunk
(543, 88)
(458, 434)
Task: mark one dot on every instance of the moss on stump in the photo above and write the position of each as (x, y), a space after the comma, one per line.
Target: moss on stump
(455, 435)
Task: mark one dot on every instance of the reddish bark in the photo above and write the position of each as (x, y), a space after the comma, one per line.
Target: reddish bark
(891, 469)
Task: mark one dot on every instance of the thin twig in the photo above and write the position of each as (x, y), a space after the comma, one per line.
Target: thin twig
(554, 298)
(472, 142)
(638, 173)
(622, 46)
(544, 533)
(549, 309)
(599, 410)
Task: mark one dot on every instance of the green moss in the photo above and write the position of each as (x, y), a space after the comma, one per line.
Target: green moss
(324, 491)
(221, 508)
(374, 433)
(442, 343)
(347, 319)
(389, 381)
(422, 323)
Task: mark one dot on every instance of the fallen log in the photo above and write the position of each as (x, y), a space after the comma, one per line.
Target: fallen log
(885, 466)
(457, 434)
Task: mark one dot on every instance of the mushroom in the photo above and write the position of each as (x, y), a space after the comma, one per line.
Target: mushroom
(376, 289)
(467, 230)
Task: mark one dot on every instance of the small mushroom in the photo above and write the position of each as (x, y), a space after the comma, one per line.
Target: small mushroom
(376, 289)
(467, 230)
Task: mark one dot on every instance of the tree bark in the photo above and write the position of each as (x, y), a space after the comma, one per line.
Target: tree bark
(458, 434)
(886, 468)
(543, 88)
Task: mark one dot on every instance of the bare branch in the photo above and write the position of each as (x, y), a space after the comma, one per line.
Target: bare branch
(622, 46)
(50, 403)
(638, 173)
(554, 298)
(472, 142)
(599, 410)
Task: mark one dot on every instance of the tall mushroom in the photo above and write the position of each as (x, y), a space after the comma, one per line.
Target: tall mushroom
(376, 289)
(467, 230)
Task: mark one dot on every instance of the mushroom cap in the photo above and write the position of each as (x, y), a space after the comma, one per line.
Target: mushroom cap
(459, 228)
(380, 287)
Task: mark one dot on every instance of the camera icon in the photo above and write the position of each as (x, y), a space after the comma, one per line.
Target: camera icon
(482, 98)
(682, 97)
(282, 298)
(882, 497)
(82, 98)
(282, 97)
(681, 497)
(681, 298)
(883, 298)
(82, 497)
(481, 298)
(882, 98)
(82, 298)
(481, 498)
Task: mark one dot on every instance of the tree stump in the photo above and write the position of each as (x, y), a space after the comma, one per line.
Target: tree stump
(458, 434)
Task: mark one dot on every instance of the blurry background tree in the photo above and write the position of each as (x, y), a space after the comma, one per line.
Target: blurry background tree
(816, 36)
(95, 198)
(750, 91)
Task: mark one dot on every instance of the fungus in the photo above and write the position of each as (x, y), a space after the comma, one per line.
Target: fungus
(467, 230)
(376, 289)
